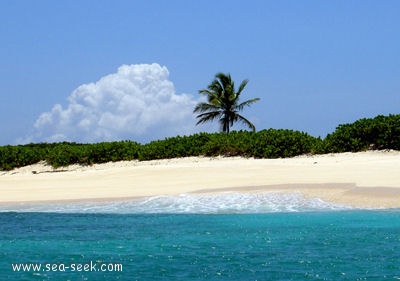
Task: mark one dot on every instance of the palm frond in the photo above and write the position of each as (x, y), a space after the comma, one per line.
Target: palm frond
(206, 92)
(207, 117)
(204, 107)
(241, 86)
(216, 86)
(246, 122)
(240, 107)
(225, 79)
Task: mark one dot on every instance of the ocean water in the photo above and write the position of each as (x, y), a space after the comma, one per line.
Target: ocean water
(224, 237)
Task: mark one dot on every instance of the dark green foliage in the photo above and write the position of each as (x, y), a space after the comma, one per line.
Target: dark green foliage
(232, 144)
(111, 151)
(174, 147)
(381, 132)
(283, 143)
(64, 154)
(21, 155)
(264, 144)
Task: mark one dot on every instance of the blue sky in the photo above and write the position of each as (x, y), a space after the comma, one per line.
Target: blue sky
(314, 64)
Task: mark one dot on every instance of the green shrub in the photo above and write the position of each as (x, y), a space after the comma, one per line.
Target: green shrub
(64, 154)
(20, 155)
(283, 143)
(381, 132)
(111, 151)
(236, 143)
(174, 147)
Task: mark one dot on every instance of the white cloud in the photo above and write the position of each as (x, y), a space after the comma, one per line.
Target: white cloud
(138, 103)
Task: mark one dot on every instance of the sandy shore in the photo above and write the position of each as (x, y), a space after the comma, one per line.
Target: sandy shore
(366, 179)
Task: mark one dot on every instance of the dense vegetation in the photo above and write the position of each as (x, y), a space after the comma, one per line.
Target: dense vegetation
(381, 132)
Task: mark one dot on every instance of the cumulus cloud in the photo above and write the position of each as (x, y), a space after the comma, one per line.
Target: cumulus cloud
(138, 103)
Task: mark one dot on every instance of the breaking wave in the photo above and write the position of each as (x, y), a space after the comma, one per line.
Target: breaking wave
(222, 203)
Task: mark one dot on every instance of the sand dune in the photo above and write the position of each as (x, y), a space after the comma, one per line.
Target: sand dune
(365, 179)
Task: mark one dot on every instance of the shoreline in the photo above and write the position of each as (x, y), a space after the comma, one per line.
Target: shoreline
(365, 179)
(348, 195)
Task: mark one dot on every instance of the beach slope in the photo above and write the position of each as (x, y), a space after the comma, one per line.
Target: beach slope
(365, 179)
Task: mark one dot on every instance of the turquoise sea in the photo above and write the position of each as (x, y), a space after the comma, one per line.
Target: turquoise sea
(224, 237)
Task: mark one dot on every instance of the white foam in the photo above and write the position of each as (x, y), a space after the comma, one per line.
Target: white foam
(223, 203)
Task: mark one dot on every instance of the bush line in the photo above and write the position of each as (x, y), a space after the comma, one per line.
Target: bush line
(381, 132)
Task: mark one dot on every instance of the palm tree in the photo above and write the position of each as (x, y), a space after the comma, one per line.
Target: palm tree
(223, 103)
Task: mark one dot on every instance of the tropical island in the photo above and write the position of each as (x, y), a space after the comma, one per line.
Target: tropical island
(224, 105)
(379, 133)
(209, 163)
(355, 165)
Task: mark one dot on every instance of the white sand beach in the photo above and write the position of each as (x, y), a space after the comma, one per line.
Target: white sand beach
(365, 179)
